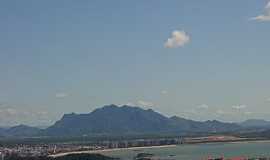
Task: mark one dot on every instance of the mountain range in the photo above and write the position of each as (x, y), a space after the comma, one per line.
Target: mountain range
(112, 119)
(256, 123)
(19, 131)
(128, 120)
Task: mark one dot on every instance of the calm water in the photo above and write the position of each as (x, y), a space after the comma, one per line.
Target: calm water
(201, 151)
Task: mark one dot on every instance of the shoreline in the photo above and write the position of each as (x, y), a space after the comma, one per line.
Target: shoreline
(162, 146)
(110, 150)
(252, 141)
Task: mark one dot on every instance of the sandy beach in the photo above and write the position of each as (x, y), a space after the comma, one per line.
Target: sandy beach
(109, 150)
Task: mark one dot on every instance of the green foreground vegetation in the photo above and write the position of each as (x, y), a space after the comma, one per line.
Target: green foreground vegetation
(67, 157)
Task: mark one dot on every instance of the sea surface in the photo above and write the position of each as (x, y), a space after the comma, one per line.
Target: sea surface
(200, 151)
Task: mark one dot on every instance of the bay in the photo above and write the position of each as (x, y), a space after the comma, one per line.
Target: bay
(201, 151)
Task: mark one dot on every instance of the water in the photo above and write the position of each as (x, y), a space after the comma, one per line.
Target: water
(201, 151)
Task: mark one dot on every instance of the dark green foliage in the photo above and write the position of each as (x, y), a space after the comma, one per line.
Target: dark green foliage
(85, 157)
(15, 157)
(68, 157)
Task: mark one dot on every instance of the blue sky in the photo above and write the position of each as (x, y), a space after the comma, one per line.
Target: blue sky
(67, 56)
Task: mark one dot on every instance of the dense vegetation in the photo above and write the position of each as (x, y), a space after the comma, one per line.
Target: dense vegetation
(68, 157)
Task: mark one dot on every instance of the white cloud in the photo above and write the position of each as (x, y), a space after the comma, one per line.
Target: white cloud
(263, 17)
(10, 111)
(220, 112)
(178, 39)
(61, 95)
(128, 104)
(239, 106)
(203, 106)
(145, 103)
(139, 103)
(248, 112)
(164, 92)
(10, 116)
(192, 111)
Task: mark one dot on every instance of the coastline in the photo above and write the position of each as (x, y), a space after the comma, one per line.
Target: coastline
(110, 150)
(163, 146)
(252, 141)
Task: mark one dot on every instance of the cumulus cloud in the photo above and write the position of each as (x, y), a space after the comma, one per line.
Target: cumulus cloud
(203, 106)
(239, 106)
(177, 39)
(145, 103)
(265, 16)
(61, 95)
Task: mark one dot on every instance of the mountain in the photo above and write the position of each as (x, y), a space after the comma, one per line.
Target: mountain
(19, 131)
(191, 126)
(2, 132)
(256, 123)
(23, 131)
(112, 119)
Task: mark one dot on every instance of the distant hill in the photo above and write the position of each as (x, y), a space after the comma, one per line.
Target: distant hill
(112, 119)
(213, 126)
(23, 131)
(19, 131)
(259, 123)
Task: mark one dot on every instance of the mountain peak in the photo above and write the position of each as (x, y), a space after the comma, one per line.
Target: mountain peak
(114, 119)
(111, 106)
(22, 130)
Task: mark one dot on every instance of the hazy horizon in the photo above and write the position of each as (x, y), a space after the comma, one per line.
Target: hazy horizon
(120, 105)
(200, 60)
